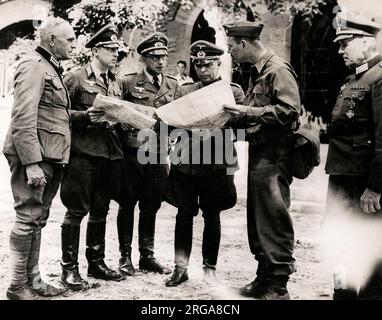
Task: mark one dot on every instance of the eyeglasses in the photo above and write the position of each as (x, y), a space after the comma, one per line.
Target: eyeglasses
(158, 58)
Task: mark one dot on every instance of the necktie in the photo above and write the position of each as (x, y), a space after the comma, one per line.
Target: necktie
(156, 82)
(104, 78)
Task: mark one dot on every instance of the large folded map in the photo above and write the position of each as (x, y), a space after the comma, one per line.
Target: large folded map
(135, 115)
(201, 109)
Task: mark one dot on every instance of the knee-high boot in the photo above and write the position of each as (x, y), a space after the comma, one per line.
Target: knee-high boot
(125, 225)
(70, 241)
(146, 230)
(95, 253)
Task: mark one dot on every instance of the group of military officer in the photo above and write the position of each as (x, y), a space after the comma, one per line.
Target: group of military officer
(54, 138)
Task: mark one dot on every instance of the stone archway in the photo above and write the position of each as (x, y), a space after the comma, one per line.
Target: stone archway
(21, 10)
(179, 32)
(18, 17)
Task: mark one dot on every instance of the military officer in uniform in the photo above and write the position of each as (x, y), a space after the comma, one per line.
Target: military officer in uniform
(143, 182)
(92, 177)
(37, 147)
(353, 220)
(270, 113)
(201, 182)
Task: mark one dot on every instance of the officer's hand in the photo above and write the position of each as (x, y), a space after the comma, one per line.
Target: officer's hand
(236, 110)
(95, 115)
(35, 175)
(370, 201)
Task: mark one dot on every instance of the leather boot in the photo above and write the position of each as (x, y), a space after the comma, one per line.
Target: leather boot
(151, 264)
(257, 287)
(44, 289)
(125, 224)
(146, 234)
(95, 253)
(146, 230)
(179, 276)
(23, 293)
(125, 265)
(276, 290)
(70, 240)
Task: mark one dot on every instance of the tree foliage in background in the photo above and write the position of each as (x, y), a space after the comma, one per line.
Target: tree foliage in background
(88, 16)
(60, 7)
(306, 8)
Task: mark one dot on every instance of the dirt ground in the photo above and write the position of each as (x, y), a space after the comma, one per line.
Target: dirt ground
(236, 265)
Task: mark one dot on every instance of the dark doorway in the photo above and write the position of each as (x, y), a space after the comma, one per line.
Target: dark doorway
(23, 29)
(201, 31)
(315, 58)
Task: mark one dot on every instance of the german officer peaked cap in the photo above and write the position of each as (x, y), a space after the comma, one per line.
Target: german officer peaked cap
(155, 44)
(105, 37)
(349, 25)
(203, 52)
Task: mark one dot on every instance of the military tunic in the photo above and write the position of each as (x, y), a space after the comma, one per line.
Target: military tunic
(142, 183)
(354, 163)
(274, 97)
(92, 177)
(355, 146)
(208, 186)
(39, 132)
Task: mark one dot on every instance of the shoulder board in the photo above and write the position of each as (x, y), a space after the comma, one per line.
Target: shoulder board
(171, 77)
(187, 84)
(131, 74)
(31, 57)
(76, 68)
(233, 84)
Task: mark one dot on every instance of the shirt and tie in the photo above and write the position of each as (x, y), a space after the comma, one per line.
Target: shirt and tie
(156, 80)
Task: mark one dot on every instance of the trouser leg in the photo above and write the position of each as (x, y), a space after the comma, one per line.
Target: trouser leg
(183, 238)
(270, 226)
(20, 246)
(211, 238)
(32, 211)
(34, 255)
(149, 204)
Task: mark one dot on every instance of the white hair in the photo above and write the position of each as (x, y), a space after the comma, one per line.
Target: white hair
(49, 27)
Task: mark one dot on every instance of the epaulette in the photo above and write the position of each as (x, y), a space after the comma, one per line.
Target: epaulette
(76, 68)
(171, 77)
(187, 84)
(130, 74)
(235, 85)
(31, 57)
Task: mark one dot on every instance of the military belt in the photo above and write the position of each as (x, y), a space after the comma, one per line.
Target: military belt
(346, 129)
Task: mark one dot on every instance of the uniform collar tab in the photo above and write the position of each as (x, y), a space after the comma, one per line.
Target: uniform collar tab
(50, 58)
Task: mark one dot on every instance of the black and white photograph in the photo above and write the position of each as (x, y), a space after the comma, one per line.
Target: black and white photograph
(209, 152)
